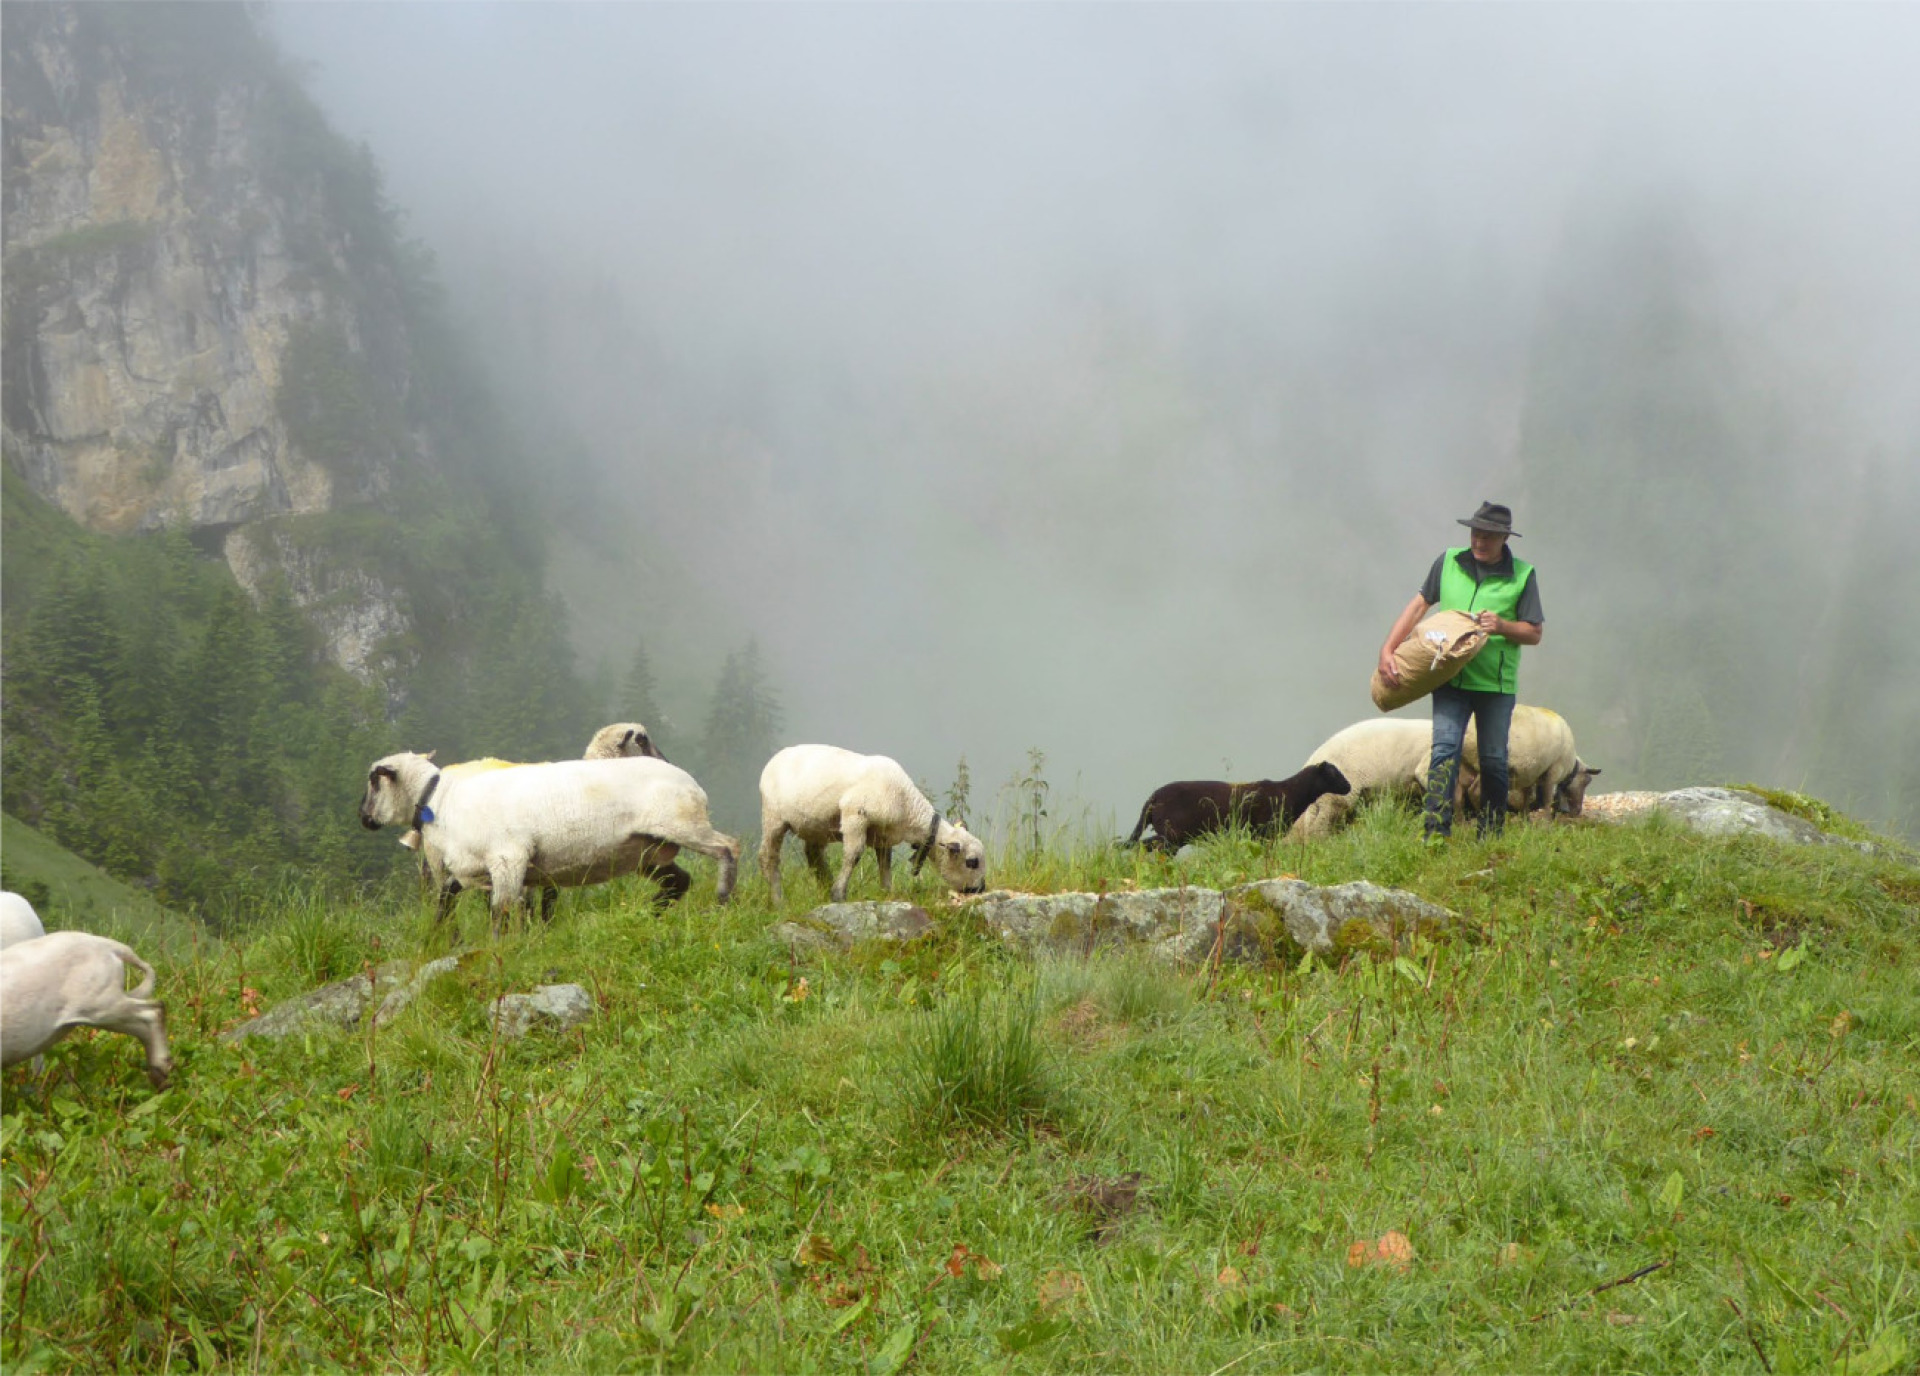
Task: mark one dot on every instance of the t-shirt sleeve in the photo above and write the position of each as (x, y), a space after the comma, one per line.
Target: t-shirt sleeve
(1528, 608)
(1430, 590)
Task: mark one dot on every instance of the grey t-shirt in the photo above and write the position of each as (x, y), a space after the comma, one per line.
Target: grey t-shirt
(1529, 605)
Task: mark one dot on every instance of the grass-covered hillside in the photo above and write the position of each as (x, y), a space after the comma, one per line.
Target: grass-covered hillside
(1660, 1113)
(68, 892)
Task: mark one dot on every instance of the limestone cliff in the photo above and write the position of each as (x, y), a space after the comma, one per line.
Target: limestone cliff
(205, 319)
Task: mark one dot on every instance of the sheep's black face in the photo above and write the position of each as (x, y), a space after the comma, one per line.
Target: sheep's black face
(963, 862)
(1570, 798)
(380, 779)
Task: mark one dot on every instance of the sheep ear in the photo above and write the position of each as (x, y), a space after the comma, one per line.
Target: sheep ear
(1592, 770)
(427, 754)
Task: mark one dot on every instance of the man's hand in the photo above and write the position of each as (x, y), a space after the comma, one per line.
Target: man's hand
(1489, 622)
(1389, 669)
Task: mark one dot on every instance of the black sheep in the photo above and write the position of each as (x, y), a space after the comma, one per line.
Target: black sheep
(1186, 811)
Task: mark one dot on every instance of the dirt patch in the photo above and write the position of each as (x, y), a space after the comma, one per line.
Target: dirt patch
(1105, 1201)
(1901, 890)
(1085, 1025)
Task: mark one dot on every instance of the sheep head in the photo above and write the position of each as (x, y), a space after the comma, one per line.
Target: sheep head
(961, 859)
(1571, 796)
(620, 740)
(394, 787)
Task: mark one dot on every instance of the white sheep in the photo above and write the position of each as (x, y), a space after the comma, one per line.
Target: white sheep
(55, 983)
(823, 794)
(18, 920)
(1542, 768)
(621, 740)
(564, 824)
(1382, 755)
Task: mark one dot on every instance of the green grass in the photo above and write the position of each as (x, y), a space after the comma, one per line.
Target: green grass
(68, 892)
(1654, 1048)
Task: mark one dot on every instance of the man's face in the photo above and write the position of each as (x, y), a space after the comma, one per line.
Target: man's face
(1488, 545)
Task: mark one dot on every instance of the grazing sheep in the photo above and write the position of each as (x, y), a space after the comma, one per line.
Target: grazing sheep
(1380, 755)
(1183, 812)
(18, 920)
(53, 984)
(565, 824)
(622, 739)
(1543, 770)
(822, 794)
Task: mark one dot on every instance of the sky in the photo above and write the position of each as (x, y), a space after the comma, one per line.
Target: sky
(1103, 378)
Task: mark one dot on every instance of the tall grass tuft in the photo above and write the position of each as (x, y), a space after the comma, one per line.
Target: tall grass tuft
(975, 1063)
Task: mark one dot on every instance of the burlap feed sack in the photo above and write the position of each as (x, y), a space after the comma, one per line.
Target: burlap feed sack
(1438, 649)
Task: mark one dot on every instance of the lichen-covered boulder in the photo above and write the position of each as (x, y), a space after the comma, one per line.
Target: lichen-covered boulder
(1170, 922)
(555, 1006)
(388, 989)
(1254, 923)
(842, 925)
(1733, 812)
(1291, 916)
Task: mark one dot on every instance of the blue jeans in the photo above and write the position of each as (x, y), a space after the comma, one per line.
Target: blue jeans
(1493, 714)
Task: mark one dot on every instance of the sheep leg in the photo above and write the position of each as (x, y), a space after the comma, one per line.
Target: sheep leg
(673, 881)
(721, 848)
(549, 896)
(508, 873)
(773, 835)
(449, 895)
(883, 856)
(817, 862)
(853, 838)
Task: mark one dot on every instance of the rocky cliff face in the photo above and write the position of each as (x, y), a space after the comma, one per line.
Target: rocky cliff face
(203, 323)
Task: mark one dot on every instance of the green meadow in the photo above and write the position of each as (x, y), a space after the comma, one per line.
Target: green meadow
(1656, 1108)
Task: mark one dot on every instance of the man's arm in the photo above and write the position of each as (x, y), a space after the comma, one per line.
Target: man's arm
(1528, 620)
(1519, 632)
(1402, 628)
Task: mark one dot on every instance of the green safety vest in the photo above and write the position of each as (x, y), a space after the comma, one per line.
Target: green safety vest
(1496, 669)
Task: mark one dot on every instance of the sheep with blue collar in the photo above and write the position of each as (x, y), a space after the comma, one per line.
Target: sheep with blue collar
(562, 825)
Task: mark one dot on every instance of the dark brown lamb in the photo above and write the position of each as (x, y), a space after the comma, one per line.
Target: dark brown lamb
(1185, 811)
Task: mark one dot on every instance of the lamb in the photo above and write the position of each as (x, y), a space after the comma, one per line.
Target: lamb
(55, 983)
(566, 824)
(1183, 812)
(1542, 768)
(822, 794)
(1382, 755)
(18, 920)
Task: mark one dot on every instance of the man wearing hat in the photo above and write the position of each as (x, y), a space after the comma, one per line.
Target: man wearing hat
(1484, 580)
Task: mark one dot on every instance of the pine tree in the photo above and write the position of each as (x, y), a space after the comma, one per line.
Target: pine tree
(638, 699)
(743, 726)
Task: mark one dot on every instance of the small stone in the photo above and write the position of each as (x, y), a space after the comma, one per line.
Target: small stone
(558, 1006)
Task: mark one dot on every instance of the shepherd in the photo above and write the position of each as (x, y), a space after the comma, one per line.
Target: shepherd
(1502, 593)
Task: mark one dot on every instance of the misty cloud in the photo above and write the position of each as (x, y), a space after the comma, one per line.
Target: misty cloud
(1105, 378)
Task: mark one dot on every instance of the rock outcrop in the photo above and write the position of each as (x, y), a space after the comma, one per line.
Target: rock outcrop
(342, 1005)
(555, 1006)
(1273, 919)
(1717, 812)
(201, 327)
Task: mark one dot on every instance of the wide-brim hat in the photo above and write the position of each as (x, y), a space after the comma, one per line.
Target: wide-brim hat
(1494, 517)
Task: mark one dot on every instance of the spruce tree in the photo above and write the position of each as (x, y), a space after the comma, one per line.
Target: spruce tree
(638, 697)
(743, 726)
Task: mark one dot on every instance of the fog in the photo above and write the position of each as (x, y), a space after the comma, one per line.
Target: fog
(1104, 379)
